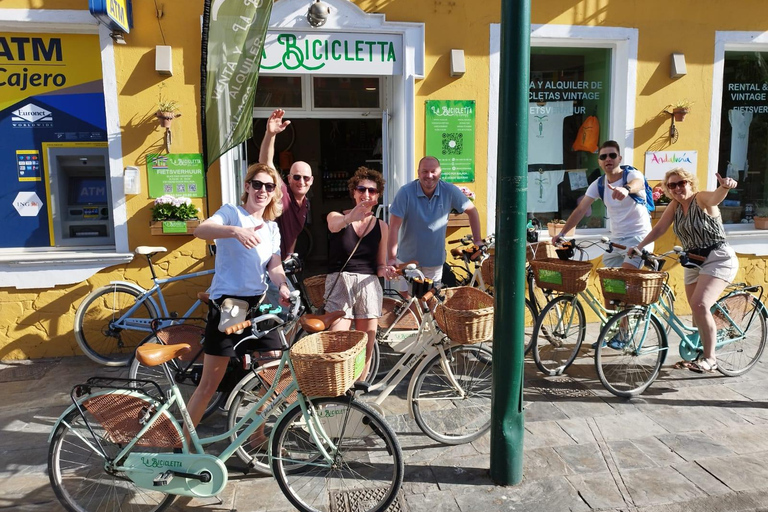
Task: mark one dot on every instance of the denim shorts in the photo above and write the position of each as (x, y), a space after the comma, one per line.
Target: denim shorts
(619, 256)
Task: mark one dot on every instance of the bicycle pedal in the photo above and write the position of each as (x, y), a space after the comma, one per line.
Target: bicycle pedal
(163, 479)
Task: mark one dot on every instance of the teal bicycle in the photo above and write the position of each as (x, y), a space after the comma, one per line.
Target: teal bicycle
(633, 344)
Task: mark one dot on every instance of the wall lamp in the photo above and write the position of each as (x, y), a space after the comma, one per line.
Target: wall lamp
(458, 66)
(677, 68)
(317, 14)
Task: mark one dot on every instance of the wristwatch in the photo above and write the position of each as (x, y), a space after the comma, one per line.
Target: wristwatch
(629, 190)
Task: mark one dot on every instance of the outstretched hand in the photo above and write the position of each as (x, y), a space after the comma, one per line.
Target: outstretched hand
(727, 183)
(275, 123)
(618, 193)
(361, 211)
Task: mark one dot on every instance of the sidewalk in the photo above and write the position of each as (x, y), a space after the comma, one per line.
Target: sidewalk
(691, 442)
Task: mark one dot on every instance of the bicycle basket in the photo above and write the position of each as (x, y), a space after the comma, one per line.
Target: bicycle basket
(486, 270)
(327, 363)
(121, 412)
(315, 287)
(736, 306)
(182, 333)
(565, 276)
(539, 251)
(631, 286)
(466, 315)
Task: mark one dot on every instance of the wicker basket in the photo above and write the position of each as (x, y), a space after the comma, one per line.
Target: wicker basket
(183, 333)
(121, 413)
(315, 287)
(736, 306)
(565, 276)
(631, 286)
(540, 251)
(327, 363)
(486, 270)
(466, 315)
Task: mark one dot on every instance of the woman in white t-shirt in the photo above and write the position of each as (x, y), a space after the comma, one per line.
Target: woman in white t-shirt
(247, 251)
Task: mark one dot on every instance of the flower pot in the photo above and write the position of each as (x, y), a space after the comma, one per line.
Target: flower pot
(659, 211)
(679, 114)
(166, 118)
(761, 222)
(554, 229)
(173, 227)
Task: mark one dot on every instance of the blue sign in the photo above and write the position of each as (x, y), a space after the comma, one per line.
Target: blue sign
(116, 14)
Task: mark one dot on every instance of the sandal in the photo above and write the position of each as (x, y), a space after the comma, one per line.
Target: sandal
(704, 365)
(683, 365)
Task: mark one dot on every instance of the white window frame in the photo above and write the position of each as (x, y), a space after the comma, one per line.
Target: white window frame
(41, 267)
(622, 41)
(744, 238)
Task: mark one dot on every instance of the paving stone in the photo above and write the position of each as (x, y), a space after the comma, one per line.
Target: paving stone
(740, 473)
(598, 490)
(555, 494)
(695, 446)
(741, 439)
(540, 410)
(432, 502)
(542, 463)
(701, 478)
(659, 452)
(658, 486)
(418, 480)
(578, 430)
(628, 456)
(545, 433)
(584, 408)
(627, 426)
(583, 458)
(685, 419)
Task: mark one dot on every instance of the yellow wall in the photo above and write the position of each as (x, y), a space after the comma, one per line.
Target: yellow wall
(38, 323)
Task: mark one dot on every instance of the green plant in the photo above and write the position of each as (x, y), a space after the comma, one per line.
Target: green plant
(761, 211)
(173, 208)
(165, 105)
(683, 105)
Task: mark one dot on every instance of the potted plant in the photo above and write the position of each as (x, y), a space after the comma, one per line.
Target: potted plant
(556, 225)
(173, 216)
(167, 110)
(660, 200)
(681, 109)
(761, 217)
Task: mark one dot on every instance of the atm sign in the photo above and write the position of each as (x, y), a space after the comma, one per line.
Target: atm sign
(116, 14)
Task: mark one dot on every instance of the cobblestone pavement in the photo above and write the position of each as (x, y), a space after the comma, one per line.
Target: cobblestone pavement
(691, 442)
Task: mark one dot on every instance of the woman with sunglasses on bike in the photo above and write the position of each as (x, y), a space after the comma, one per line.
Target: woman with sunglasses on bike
(357, 258)
(247, 250)
(699, 226)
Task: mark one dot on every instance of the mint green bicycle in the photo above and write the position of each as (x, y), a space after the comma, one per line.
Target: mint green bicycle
(633, 344)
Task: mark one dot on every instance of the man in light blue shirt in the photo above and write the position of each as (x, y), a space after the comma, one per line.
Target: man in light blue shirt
(421, 208)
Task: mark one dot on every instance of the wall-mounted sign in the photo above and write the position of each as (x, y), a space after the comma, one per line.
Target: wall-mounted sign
(332, 53)
(176, 175)
(116, 14)
(28, 204)
(657, 163)
(28, 164)
(450, 137)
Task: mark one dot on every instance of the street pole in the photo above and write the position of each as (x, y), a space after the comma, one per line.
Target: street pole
(507, 420)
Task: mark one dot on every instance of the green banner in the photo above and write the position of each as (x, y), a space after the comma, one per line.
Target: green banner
(450, 137)
(233, 39)
(176, 175)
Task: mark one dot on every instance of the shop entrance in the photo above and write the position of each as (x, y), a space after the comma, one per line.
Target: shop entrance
(334, 148)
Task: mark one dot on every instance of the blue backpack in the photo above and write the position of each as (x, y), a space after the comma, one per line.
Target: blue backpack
(638, 198)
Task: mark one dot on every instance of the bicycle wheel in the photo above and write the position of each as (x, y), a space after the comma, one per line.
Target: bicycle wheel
(558, 334)
(254, 451)
(366, 466)
(186, 373)
(447, 413)
(94, 332)
(740, 342)
(530, 323)
(373, 370)
(629, 355)
(78, 476)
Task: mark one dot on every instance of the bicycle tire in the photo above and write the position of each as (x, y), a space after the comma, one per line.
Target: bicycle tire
(368, 462)
(246, 394)
(557, 338)
(628, 371)
(438, 407)
(78, 477)
(530, 324)
(740, 353)
(190, 377)
(93, 333)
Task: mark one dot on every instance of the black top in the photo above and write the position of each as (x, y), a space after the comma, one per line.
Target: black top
(364, 260)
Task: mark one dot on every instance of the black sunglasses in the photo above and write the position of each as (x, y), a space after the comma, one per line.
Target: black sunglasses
(606, 155)
(371, 190)
(297, 177)
(672, 185)
(269, 187)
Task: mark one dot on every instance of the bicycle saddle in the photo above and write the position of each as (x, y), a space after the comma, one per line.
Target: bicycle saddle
(319, 323)
(153, 354)
(458, 251)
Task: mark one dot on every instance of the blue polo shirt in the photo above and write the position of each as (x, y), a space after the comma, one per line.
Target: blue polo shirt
(422, 234)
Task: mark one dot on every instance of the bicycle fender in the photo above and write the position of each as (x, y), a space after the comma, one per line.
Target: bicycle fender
(58, 422)
(140, 290)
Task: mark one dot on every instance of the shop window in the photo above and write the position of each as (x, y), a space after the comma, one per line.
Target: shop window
(743, 145)
(346, 92)
(569, 90)
(279, 92)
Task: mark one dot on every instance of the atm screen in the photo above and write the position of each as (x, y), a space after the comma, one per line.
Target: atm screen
(84, 190)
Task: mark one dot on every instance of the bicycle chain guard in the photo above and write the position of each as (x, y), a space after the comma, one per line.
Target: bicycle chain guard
(148, 470)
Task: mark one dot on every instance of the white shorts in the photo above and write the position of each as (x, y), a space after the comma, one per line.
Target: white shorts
(358, 295)
(721, 263)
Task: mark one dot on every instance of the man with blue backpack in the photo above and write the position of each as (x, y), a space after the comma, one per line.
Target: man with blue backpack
(628, 200)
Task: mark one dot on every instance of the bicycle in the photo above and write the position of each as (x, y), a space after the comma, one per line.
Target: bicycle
(469, 256)
(449, 393)
(119, 443)
(114, 319)
(561, 325)
(629, 365)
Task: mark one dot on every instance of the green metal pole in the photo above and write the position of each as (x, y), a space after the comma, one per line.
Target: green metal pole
(507, 420)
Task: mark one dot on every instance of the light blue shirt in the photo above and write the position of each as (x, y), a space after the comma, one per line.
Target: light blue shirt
(239, 271)
(422, 233)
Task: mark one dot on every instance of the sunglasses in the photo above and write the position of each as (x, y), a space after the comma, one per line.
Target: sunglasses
(672, 185)
(604, 156)
(297, 177)
(370, 190)
(269, 187)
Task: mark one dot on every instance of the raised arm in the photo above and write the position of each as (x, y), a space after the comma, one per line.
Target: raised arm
(715, 197)
(275, 125)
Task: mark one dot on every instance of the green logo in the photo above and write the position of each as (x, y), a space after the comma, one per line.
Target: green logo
(616, 286)
(550, 276)
(297, 54)
(153, 462)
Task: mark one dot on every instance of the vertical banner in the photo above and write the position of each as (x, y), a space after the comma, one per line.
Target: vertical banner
(233, 39)
(450, 127)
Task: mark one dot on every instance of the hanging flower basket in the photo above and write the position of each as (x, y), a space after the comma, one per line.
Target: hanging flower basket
(166, 118)
(173, 227)
(679, 114)
(173, 216)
